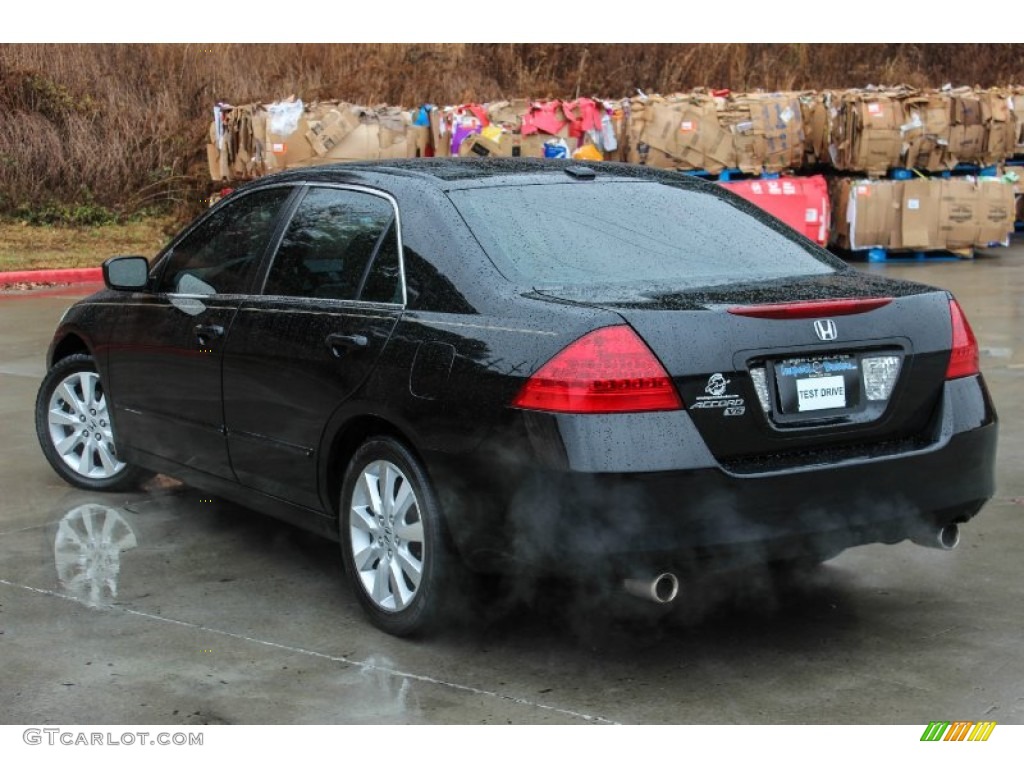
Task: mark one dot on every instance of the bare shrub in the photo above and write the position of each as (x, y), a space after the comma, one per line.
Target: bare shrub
(125, 125)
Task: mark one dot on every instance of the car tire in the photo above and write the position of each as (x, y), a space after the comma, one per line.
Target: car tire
(75, 431)
(393, 539)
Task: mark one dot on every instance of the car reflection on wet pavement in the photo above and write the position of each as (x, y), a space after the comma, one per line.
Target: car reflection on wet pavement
(87, 551)
(170, 606)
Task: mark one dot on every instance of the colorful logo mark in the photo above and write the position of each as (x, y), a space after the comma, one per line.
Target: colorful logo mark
(958, 730)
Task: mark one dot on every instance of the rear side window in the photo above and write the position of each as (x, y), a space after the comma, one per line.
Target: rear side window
(222, 253)
(624, 232)
(336, 242)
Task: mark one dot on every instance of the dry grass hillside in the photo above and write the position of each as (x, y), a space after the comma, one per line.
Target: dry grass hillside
(88, 132)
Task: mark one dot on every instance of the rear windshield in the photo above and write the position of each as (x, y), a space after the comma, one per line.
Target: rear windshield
(629, 232)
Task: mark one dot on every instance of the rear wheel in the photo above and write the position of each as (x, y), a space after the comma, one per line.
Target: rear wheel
(74, 428)
(392, 538)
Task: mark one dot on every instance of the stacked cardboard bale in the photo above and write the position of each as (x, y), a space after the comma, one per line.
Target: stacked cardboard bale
(816, 111)
(254, 139)
(866, 132)
(875, 130)
(999, 121)
(713, 131)
(955, 214)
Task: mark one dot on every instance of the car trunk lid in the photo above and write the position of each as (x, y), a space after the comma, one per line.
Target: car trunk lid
(779, 367)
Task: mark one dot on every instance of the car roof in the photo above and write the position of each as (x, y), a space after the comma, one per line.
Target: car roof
(449, 173)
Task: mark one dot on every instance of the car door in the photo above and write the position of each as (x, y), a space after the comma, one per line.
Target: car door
(166, 348)
(332, 296)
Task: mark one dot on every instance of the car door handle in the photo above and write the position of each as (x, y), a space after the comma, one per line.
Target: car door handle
(207, 333)
(339, 343)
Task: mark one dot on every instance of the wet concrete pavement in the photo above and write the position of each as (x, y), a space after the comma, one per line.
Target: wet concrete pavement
(168, 606)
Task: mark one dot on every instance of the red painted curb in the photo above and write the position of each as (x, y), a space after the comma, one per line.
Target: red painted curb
(82, 275)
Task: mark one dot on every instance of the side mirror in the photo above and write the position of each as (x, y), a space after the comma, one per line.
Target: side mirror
(126, 273)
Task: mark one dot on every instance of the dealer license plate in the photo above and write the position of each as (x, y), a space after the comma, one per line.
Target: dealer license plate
(813, 384)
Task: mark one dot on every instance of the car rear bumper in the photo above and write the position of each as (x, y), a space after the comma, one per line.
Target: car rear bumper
(500, 511)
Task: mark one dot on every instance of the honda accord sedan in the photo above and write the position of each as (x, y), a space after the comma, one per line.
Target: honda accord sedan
(466, 366)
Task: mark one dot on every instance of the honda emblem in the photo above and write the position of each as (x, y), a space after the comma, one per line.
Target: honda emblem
(826, 330)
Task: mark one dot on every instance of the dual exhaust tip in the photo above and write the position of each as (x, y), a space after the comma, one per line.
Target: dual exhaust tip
(664, 588)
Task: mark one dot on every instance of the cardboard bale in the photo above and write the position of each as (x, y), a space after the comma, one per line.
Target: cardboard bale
(681, 132)
(919, 215)
(741, 142)
(286, 128)
(996, 212)
(815, 114)
(959, 214)
(865, 213)
(967, 132)
(875, 209)
(702, 141)
(925, 131)
(775, 140)
(636, 149)
(328, 129)
(866, 132)
(1000, 128)
(714, 132)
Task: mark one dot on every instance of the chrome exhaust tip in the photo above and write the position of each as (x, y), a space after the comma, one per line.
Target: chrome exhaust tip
(947, 537)
(663, 588)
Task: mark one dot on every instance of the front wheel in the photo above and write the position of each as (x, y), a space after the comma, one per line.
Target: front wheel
(74, 428)
(393, 540)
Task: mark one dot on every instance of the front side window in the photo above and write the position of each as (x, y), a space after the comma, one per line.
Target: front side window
(340, 244)
(223, 252)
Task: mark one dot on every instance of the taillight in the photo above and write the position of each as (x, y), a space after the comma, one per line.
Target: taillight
(609, 370)
(794, 310)
(963, 360)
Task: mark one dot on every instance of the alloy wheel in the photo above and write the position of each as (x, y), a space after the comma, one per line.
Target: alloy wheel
(386, 535)
(80, 429)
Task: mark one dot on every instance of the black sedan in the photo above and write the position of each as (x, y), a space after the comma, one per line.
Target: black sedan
(481, 365)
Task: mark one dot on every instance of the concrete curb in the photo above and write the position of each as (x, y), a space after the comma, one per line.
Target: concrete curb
(82, 275)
